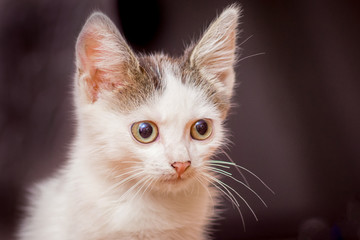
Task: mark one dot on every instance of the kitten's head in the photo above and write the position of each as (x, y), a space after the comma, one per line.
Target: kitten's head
(153, 120)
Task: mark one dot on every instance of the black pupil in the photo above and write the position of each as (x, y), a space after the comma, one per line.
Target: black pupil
(145, 130)
(201, 127)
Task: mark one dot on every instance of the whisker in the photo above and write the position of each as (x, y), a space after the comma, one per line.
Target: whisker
(128, 172)
(218, 165)
(227, 186)
(153, 183)
(207, 189)
(124, 195)
(136, 162)
(243, 42)
(232, 199)
(237, 180)
(250, 56)
(149, 184)
(245, 169)
(127, 179)
(124, 167)
(242, 175)
(132, 176)
(139, 190)
(228, 194)
(115, 202)
(219, 171)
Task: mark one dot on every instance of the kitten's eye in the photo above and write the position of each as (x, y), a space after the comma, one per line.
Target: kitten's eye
(144, 132)
(201, 129)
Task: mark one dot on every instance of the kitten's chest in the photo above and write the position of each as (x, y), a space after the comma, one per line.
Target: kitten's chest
(160, 213)
(146, 218)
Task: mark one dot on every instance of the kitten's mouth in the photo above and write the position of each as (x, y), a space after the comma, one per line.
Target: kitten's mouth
(174, 181)
(176, 178)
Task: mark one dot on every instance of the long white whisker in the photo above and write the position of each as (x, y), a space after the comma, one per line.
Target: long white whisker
(127, 192)
(153, 183)
(114, 172)
(124, 195)
(129, 178)
(229, 175)
(207, 189)
(230, 197)
(250, 56)
(218, 165)
(242, 175)
(148, 183)
(147, 187)
(227, 186)
(123, 181)
(128, 161)
(227, 193)
(219, 171)
(128, 172)
(140, 188)
(243, 168)
(245, 40)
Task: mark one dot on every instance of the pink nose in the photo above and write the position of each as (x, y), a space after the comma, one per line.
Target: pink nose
(181, 167)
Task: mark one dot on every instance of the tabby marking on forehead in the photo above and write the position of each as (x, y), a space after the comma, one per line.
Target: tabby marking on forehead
(193, 77)
(154, 67)
(143, 85)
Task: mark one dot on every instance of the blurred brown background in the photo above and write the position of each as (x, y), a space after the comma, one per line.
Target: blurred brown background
(297, 124)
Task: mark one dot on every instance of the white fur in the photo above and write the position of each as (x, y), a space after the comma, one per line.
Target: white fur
(89, 200)
(77, 204)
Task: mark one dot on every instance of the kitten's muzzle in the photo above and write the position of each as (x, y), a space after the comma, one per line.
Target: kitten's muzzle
(181, 167)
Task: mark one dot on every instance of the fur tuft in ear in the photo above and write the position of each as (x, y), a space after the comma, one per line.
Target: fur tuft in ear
(103, 58)
(215, 54)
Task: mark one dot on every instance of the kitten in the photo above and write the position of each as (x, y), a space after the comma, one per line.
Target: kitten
(140, 166)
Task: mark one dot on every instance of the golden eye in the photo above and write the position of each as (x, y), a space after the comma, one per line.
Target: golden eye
(201, 129)
(144, 132)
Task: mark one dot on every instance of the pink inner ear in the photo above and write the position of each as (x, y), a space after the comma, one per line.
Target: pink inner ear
(99, 75)
(90, 46)
(94, 81)
(87, 45)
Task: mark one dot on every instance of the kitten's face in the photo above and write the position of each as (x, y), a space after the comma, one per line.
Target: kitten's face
(153, 121)
(173, 112)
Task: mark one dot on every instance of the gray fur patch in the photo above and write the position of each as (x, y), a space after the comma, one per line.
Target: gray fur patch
(148, 82)
(193, 77)
(144, 81)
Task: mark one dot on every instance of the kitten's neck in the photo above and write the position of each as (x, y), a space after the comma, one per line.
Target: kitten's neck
(166, 211)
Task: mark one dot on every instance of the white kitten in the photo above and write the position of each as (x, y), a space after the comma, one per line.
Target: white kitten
(140, 164)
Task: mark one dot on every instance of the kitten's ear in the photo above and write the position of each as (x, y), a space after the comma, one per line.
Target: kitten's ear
(103, 58)
(215, 54)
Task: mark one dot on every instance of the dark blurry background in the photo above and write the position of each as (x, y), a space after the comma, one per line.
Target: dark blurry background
(297, 124)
